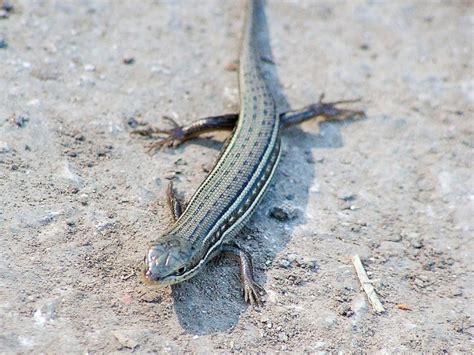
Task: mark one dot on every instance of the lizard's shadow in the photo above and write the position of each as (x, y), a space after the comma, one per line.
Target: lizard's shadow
(211, 301)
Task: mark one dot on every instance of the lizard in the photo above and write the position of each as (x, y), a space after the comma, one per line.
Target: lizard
(226, 199)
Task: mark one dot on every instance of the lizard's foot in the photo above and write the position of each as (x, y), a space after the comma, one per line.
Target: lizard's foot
(251, 292)
(179, 134)
(173, 137)
(250, 289)
(330, 110)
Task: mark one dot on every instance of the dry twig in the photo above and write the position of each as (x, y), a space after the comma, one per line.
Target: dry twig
(367, 285)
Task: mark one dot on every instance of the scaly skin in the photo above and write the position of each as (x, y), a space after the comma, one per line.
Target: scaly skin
(228, 196)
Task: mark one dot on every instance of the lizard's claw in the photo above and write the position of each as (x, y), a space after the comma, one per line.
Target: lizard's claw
(330, 110)
(251, 292)
(173, 137)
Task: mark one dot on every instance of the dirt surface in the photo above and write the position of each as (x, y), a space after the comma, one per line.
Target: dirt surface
(81, 199)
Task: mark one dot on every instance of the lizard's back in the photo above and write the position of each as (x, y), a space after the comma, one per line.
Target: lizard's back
(236, 183)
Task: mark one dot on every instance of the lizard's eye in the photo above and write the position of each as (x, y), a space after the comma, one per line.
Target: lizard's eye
(181, 270)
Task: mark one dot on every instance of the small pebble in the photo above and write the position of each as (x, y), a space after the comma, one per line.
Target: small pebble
(79, 137)
(355, 228)
(83, 199)
(172, 175)
(74, 190)
(3, 14)
(420, 283)
(7, 6)
(417, 243)
(360, 308)
(3, 43)
(128, 60)
(279, 214)
(132, 122)
(283, 213)
(204, 168)
(393, 238)
(346, 311)
(346, 196)
(285, 263)
(180, 161)
(125, 340)
(89, 67)
(309, 264)
(457, 292)
(424, 278)
(21, 121)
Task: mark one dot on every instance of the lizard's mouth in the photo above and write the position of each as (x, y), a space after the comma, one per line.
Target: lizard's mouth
(152, 280)
(147, 274)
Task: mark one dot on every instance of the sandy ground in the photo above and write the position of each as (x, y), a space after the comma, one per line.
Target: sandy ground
(81, 199)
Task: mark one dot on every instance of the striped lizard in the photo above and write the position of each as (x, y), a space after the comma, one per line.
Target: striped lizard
(229, 195)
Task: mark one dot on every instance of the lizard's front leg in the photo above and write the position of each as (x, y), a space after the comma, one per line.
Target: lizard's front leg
(179, 134)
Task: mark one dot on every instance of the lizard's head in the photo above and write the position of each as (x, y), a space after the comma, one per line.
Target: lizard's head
(168, 261)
